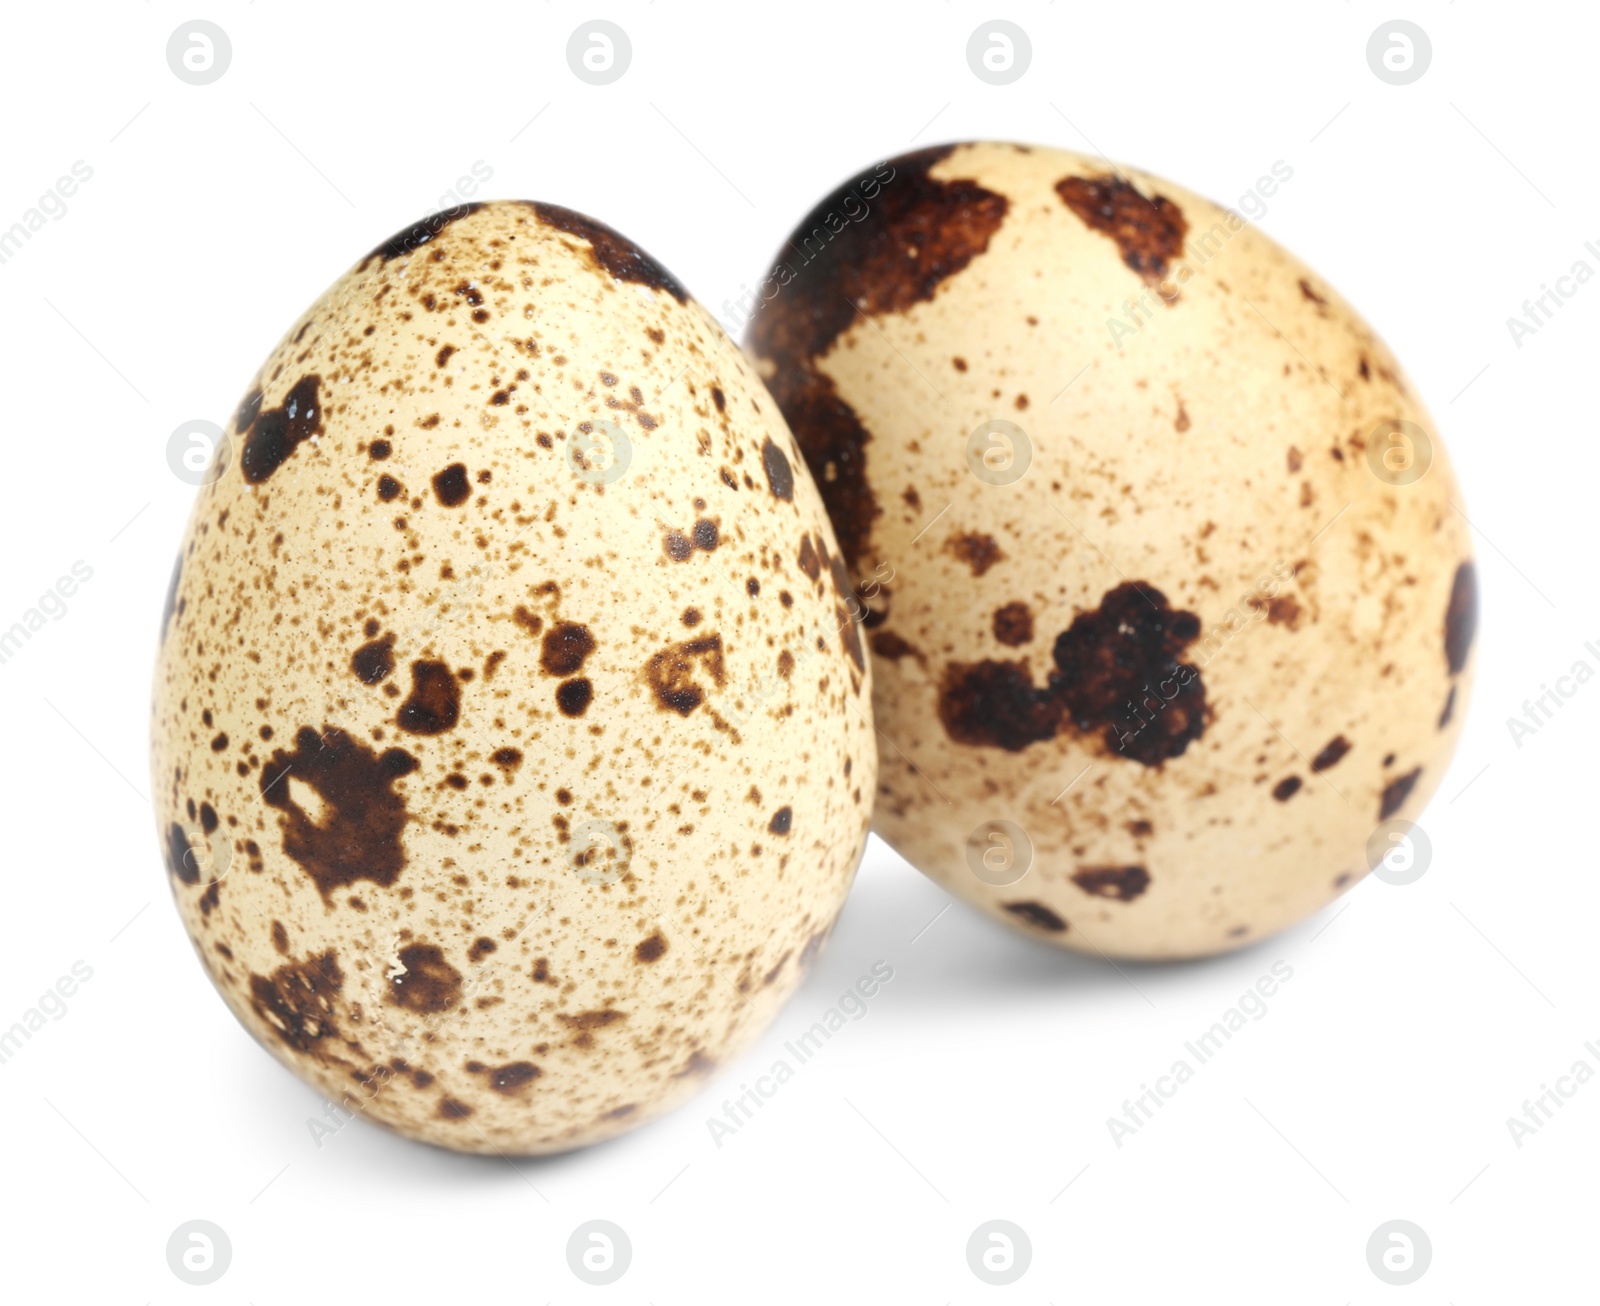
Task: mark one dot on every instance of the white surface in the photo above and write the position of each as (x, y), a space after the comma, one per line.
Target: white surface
(978, 1085)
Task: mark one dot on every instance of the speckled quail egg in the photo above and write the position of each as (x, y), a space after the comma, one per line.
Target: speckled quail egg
(1171, 601)
(511, 737)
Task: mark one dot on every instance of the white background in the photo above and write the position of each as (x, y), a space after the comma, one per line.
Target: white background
(978, 1086)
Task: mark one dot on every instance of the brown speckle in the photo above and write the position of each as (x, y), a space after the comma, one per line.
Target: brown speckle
(651, 949)
(978, 550)
(1396, 792)
(1332, 753)
(1287, 788)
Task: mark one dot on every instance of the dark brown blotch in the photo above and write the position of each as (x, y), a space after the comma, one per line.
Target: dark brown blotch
(574, 696)
(1461, 617)
(651, 949)
(781, 820)
(1331, 755)
(297, 1000)
(276, 433)
(419, 234)
(913, 234)
(358, 836)
(1124, 883)
(975, 548)
(1149, 231)
(670, 673)
(1013, 624)
(1037, 915)
(452, 486)
(1396, 792)
(613, 252)
(429, 984)
(434, 705)
(374, 660)
(564, 649)
(780, 475)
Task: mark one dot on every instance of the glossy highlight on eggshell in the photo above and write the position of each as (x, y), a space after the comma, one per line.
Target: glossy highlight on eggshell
(464, 824)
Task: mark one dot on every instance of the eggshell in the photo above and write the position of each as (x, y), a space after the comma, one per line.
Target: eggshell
(1172, 594)
(511, 761)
